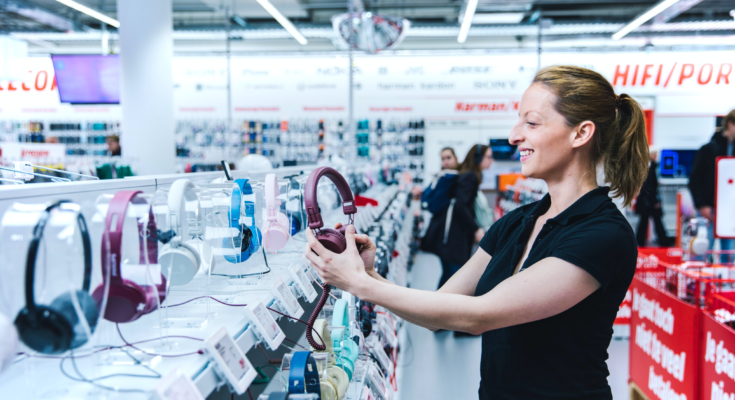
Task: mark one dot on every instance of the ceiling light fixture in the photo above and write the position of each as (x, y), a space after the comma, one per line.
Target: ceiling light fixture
(285, 23)
(469, 13)
(497, 18)
(643, 18)
(92, 13)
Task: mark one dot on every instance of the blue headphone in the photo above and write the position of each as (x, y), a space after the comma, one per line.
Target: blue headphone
(249, 236)
(304, 375)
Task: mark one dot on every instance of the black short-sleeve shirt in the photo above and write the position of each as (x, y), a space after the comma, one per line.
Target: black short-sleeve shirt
(561, 357)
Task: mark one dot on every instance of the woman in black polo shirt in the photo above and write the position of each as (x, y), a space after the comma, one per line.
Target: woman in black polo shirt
(546, 283)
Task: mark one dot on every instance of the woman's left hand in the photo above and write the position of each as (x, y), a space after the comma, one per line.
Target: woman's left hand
(345, 271)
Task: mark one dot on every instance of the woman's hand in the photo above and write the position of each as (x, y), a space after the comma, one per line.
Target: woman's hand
(345, 271)
(367, 249)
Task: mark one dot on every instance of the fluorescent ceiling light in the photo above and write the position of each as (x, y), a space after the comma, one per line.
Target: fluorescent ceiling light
(643, 18)
(285, 23)
(467, 20)
(92, 13)
(497, 18)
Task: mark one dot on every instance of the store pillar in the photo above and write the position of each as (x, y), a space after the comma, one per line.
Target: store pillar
(146, 51)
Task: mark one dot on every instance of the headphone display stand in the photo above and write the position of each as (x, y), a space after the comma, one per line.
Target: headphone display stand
(191, 243)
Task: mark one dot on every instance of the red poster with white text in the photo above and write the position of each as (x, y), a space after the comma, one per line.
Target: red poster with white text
(717, 360)
(663, 344)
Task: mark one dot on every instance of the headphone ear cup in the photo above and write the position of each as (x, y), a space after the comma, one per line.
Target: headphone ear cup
(65, 307)
(340, 380)
(329, 390)
(45, 330)
(183, 261)
(125, 303)
(276, 233)
(332, 240)
(295, 219)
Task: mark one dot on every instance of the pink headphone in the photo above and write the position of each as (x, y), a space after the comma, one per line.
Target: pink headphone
(333, 240)
(126, 300)
(276, 226)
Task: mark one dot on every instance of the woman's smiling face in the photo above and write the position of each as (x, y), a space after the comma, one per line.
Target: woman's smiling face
(542, 135)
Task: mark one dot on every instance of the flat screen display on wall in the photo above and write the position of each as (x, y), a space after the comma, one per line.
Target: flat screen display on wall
(87, 79)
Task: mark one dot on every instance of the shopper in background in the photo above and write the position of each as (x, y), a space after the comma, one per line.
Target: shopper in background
(453, 230)
(545, 286)
(449, 159)
(113, 145)
(648, 206)
(702, 176)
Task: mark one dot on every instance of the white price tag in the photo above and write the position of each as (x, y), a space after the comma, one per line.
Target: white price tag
(388, 333)
(377, 350)
(177, 386)
(284, 296)
(139, 273)
(230, 361)
(301, 279)
(264, 323)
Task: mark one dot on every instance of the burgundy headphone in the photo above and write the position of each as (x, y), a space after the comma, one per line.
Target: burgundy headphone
(332, 239)
(126, 300)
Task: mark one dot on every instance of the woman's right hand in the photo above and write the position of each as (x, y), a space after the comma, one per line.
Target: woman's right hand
(367, 250)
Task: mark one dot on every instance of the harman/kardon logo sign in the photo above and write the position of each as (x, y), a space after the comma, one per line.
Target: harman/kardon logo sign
(34, 153)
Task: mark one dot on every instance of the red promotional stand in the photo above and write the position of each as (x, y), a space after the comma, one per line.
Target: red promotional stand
(664, 339)
(717, 359)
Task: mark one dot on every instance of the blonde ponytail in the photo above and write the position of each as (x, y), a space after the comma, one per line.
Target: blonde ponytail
(625, 161)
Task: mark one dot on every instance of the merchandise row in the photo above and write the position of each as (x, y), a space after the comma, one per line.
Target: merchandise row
(181, 283)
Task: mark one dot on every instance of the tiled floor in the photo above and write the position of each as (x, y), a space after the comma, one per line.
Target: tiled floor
(438, 366)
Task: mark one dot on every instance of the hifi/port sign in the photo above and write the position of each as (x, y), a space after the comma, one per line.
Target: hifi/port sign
(663, 344)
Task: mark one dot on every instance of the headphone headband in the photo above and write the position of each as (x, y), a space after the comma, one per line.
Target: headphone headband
(117, 210)
(312, 208)
(33, 251)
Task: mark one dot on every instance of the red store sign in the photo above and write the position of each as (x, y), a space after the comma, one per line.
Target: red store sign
(663, 344)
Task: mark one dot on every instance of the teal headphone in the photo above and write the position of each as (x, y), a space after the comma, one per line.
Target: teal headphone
(344, 347)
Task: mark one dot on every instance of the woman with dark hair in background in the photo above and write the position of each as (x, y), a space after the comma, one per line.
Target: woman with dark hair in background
(453, 231)
(449, 159)
(546, 284)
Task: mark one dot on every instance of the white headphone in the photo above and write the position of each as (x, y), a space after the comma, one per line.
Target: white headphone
(699, 244)
(276, 227)
(334, 386)
(8, 342)
(183, 254)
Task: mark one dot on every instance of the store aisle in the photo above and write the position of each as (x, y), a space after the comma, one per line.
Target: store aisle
(438, 366)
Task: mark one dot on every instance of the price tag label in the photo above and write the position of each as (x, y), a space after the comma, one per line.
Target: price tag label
(377, 350)
(283, 294)
(303, 281)
(264, 323)
(230, 361)
(177, 386)
(388, 333)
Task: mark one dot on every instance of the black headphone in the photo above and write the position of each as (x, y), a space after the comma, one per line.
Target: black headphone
(478, 155)
(56, 328)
